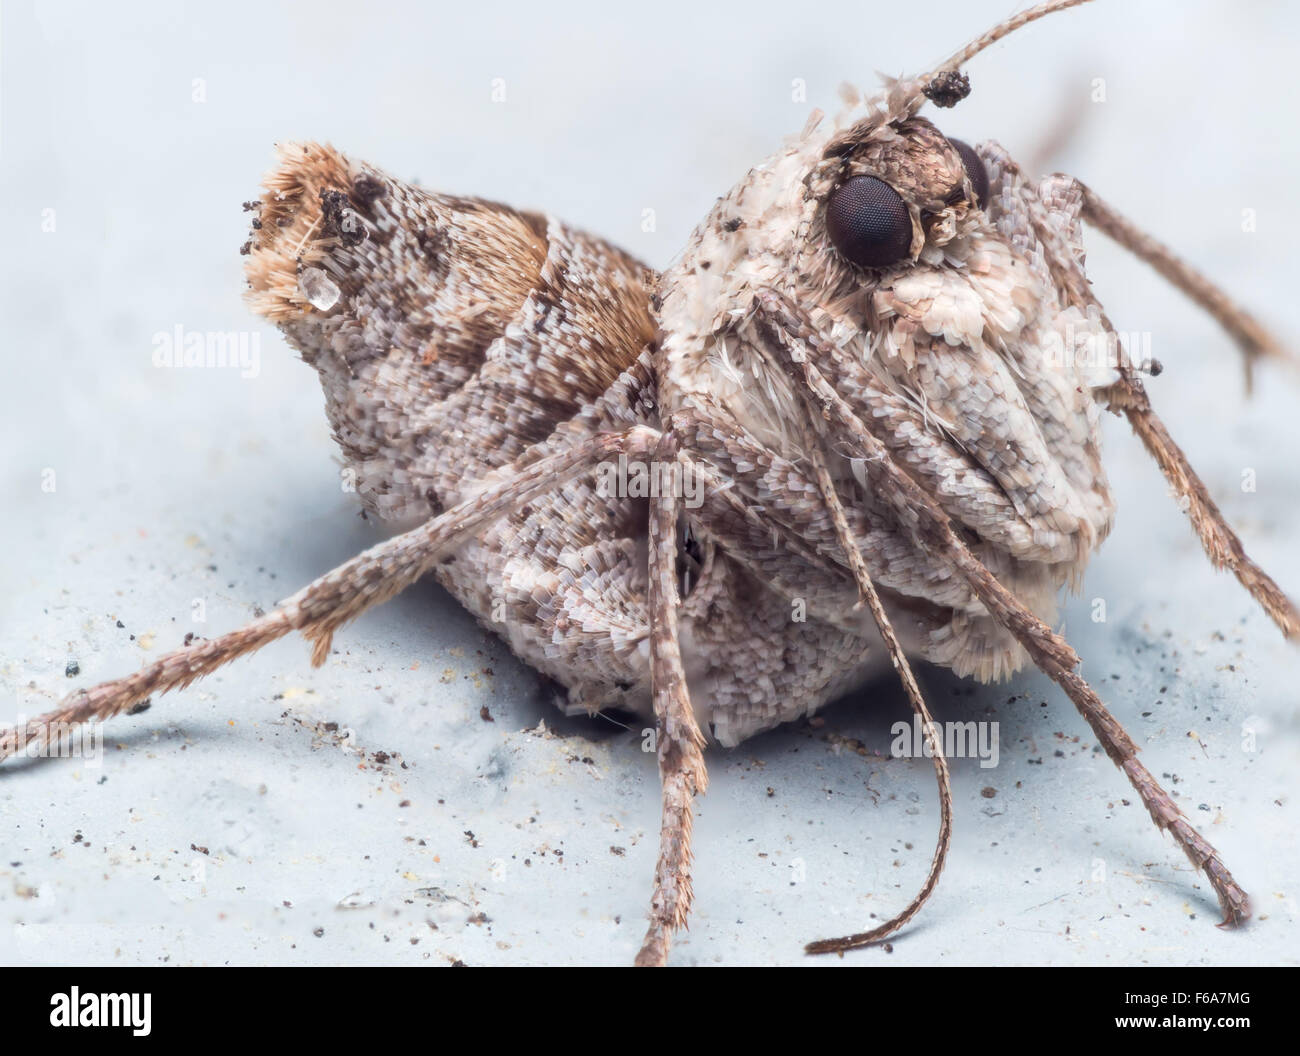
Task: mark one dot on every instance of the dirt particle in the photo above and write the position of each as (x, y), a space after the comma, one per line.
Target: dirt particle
(339, 221)
(947, 89)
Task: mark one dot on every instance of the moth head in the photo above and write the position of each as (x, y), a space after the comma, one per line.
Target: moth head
(885, 199)
(889, 183)
(842, 213)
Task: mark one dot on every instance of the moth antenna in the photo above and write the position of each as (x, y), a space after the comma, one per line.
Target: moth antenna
(945, 85)
(1002, 29)
(812, 444)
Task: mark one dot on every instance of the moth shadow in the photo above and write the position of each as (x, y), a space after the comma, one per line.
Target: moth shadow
(871, 715)
(126, 742)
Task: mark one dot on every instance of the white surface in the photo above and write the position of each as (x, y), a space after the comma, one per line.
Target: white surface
(176, 485)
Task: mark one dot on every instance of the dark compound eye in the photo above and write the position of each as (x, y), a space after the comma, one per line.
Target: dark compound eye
(869, 223)
(979, 177)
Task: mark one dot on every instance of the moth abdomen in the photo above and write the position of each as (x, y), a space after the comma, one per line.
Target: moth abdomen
(449, 333)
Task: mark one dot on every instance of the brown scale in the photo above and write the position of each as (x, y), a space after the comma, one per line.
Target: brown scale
(481, 365)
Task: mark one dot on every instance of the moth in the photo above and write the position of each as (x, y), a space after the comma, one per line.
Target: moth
(844, 430)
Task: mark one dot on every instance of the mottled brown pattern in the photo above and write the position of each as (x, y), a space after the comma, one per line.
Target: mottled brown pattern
(893, 463)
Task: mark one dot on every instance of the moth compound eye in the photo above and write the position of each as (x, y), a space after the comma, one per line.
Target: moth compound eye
(975, 171)
(868, 222)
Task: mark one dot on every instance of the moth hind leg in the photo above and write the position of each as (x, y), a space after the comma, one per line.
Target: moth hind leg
(335, 598)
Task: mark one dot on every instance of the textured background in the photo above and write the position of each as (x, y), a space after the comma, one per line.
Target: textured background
(506, 841)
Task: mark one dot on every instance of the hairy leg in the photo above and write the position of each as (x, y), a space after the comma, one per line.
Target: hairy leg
(790, 336)
(1128, 395)
(1251, 336)
(813, 444)
(680, 741)
(340, 595)
(742, 530)
(1220, 542)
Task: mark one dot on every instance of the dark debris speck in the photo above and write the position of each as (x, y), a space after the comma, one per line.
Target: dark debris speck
(947, 89)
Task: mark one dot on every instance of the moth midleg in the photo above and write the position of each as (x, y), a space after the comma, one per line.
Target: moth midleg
(340, 595)
(680, 740)
(786, 332)
(831, 499)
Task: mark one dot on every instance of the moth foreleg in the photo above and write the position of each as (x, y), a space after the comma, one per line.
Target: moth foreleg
(680, 741)
(340, 595)
(1251, 336)
(813, 445)
(1221, 544)
(796, 345)
(741, 529)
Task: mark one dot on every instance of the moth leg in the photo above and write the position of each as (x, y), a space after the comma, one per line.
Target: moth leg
(1251, 336)
(1128, 395)
(812, 444)
(681, 743)
(340, 595)
(1220, 543)
(788, 334)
